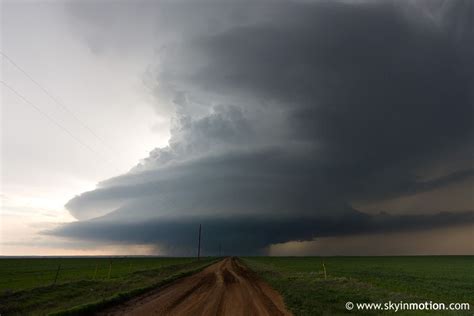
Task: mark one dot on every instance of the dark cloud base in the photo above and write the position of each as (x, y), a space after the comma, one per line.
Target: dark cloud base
(249, 234)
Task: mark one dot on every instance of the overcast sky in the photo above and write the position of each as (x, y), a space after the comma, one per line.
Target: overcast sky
(283, 127)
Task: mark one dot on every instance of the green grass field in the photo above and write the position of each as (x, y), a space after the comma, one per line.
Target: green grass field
(306, 291)
(18, 274)
(27, 285)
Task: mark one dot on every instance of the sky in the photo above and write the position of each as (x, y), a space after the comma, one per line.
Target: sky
(283, 127)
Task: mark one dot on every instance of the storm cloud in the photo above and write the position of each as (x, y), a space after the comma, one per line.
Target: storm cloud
(287, 114)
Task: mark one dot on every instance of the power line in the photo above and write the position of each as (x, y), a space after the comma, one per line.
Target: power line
(65, 108)
(51, 119)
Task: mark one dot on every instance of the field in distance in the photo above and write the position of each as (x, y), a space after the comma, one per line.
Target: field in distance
(306, 291)
(39, 286)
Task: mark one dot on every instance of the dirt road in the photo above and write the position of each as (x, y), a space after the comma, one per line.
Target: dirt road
(224, 288)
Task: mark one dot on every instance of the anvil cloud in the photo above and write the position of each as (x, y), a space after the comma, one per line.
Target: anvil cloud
(289, 114)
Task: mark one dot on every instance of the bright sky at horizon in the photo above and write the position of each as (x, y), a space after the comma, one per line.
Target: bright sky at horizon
(105, 94)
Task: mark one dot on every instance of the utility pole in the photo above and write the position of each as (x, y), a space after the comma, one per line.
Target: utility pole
(199, 243)
(219, 250)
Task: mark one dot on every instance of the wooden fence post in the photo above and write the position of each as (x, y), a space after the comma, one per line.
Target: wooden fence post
(95, 272)
(57, 273)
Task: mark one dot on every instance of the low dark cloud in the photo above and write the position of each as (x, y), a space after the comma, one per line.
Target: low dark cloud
(250, 234)
(289, 115)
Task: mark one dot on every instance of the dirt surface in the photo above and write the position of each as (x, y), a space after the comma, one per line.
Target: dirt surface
(225, 288)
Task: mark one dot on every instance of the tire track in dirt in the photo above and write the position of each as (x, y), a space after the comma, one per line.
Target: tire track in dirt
(224, 288)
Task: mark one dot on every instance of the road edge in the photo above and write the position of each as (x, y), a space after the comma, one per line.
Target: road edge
(94, 307)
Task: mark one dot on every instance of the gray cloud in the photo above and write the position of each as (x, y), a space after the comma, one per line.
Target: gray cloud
(288, 113)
